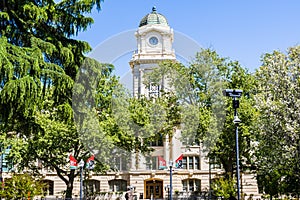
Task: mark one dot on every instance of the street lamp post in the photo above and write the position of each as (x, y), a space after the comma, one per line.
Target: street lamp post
(171, 165)
(81, 164)
(235, 94)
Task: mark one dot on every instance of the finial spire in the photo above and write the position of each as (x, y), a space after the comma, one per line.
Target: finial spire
(154, 9)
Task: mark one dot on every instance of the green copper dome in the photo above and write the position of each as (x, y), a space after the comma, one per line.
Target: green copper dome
(154, 18)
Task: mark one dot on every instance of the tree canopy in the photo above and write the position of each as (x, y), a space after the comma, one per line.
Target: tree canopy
(39, 61)
(278, 139)
(205, 115)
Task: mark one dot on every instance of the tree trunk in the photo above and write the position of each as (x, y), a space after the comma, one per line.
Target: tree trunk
(228, 167)
(69, 189)
(69, 182)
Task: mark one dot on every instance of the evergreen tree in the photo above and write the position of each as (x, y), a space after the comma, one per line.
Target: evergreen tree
(39, 61)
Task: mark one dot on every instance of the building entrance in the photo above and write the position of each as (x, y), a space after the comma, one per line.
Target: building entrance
(154, 189)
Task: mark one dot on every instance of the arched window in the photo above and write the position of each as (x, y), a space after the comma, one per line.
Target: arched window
(117, 185)
(48, 187)
(191, 185)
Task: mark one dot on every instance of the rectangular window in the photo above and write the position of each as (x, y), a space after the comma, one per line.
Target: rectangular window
(158, 142)
(191, 185)
(124, 164)
(197, 185)
(153, 90)
(184, 163)
(184, 186)
(148, 163)
(197, 163)
(152, 163)
(121, 163)
(191, 162)
(116, 185)
(48, 188)
(214, 164)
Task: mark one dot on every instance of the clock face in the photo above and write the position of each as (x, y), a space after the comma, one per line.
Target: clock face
(153, 40)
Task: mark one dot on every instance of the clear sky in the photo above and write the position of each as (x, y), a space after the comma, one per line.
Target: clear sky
(239, 29)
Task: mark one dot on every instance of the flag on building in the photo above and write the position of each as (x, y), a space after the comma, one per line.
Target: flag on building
(73, 162)
(90, 163)
(178, 162)
(162, 164)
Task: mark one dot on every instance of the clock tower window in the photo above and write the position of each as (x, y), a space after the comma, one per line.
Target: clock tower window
(153, 90)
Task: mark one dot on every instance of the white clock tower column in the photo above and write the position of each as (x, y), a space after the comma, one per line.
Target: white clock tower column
(154, 45)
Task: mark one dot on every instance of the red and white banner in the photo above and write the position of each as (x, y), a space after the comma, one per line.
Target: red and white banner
(73, 162)
(178, 162)
(162, 164)
(90, 163)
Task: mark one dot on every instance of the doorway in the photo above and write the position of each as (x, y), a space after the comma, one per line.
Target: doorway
(154, 189)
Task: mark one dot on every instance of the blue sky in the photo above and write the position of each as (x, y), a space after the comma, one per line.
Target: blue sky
(240, 30)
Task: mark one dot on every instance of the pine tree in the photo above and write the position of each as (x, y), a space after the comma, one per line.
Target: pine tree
(39, 61)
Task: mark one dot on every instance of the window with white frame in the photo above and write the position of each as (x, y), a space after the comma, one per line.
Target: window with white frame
(191, 162)
(191, 185)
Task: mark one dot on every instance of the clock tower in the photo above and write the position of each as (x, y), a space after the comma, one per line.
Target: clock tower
(154, 45)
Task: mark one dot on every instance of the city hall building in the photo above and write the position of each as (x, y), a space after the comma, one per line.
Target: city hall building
(144, 177)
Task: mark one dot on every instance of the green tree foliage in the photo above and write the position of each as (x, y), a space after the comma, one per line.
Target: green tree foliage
(278, 125)
(39, 62)
(21, 186)
(108, 120)
(211, 75)
(37, 53)
(205, 115)
(224, 149)
(176, 101)
(224, 187)
(209, 115)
